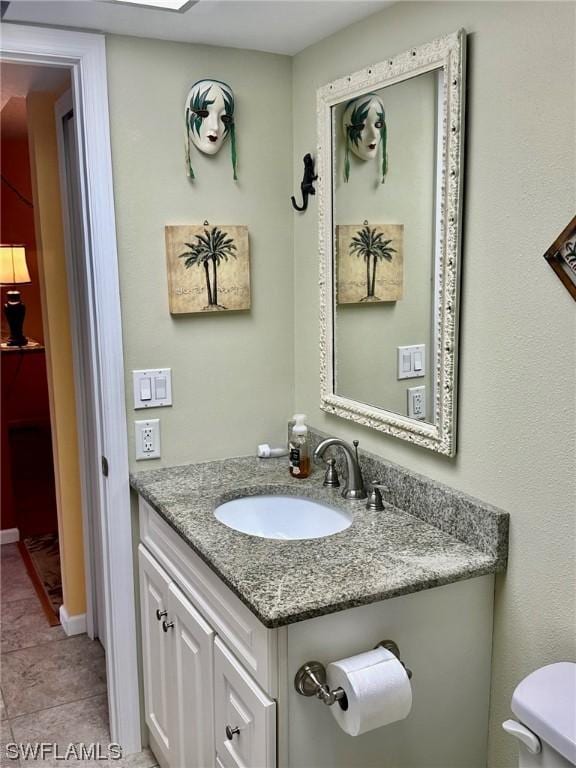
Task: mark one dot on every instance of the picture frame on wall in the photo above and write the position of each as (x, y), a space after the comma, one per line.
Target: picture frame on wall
(562, 257)
(208, 268)
(370, 263)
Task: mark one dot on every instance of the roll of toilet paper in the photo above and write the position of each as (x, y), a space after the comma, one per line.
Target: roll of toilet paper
(377, 688)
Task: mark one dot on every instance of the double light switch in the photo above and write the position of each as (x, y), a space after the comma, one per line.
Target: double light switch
(152, 388)
(412, 361)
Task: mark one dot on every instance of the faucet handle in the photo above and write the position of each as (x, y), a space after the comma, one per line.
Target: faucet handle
(375, 502)
(331, 477)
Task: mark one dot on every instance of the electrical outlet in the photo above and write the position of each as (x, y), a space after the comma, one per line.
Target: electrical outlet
(147, 435)
(417, 403)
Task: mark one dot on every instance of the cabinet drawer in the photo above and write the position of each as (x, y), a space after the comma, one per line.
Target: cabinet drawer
(253, 644)
(239, 703)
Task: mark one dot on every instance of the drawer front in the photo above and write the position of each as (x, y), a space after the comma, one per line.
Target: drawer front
(253, 644)
(239, 703)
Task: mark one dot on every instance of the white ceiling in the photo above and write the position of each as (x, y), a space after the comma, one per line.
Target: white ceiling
(276, 26)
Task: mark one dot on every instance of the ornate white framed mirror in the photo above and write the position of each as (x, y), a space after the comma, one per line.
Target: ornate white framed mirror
(390, 166)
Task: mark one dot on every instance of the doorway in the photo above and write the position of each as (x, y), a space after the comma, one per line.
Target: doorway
(29, 508)
(96, 340)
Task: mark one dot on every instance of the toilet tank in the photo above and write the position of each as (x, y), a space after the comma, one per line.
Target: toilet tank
(545, 707)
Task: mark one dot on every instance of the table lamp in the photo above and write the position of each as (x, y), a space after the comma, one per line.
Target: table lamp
(14, 271)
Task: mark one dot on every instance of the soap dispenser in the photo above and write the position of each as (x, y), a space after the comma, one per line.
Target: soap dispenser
(299, 448)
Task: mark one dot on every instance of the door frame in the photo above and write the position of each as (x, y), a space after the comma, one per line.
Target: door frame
(84, 54)
(84, 344)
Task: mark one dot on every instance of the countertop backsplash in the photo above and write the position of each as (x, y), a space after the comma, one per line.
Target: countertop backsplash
(468, 519)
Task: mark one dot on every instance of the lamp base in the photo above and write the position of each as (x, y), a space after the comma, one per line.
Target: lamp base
(15, 312)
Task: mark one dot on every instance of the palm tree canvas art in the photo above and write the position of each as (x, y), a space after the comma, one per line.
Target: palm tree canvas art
(208, 268)
(370, 263)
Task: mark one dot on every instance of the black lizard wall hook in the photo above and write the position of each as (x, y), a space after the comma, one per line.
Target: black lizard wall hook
(307, 185)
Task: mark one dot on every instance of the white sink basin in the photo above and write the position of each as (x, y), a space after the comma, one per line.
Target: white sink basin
(282, 517)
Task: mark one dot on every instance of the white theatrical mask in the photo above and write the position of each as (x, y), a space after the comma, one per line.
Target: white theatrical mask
(364, 127)
(363, 121)
(209, 116)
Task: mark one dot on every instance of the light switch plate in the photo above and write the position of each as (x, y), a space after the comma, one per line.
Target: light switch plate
(147, 436)
(152, 388)
(412, 361)
(417, 403)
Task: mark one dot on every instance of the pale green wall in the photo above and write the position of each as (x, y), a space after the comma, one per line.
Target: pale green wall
(517, 366)
(232, 374)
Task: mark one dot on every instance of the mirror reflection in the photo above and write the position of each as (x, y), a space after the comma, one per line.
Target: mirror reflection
(385, 187)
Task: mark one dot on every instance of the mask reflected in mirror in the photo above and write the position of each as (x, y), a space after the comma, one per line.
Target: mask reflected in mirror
(365, 131)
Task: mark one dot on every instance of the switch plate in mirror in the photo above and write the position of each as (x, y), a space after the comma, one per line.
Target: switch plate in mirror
(412, 361)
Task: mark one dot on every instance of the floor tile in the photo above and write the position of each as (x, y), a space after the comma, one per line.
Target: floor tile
(23, 623)
(14, 579)
(8, 551)
(51, 674)
(81, 722)
(6, 737)
(5, 731)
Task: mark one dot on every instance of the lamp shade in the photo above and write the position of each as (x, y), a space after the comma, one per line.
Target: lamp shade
(13, 267)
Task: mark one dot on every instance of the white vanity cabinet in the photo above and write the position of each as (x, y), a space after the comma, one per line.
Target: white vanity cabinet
(203, 707)
(219, 685)
(178, 655)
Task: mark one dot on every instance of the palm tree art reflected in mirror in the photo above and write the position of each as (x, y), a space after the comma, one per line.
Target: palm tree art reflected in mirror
(370, 263)
(208, 268)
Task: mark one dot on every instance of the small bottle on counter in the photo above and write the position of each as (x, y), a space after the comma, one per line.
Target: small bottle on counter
(291, 423)
(299, 457)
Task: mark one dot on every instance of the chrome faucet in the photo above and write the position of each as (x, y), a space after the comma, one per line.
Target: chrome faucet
(354, 488)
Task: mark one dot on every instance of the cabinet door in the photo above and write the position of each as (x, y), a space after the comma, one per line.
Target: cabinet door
(241, 704)
(191, 700)
(156, 648)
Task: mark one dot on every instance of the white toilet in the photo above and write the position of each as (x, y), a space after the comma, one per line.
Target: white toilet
(545, 705)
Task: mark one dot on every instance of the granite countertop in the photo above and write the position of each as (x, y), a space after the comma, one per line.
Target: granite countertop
(381, 555)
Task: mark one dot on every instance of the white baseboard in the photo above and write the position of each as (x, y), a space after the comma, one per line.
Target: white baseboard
(9, 535)
(72, 625)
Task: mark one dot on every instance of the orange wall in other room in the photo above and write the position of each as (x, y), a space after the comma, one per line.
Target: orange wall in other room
(24, 385)
(58, 341)
(24, 400)
(17, 227)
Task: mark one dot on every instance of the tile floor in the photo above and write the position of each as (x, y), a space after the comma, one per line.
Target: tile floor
(52, 687)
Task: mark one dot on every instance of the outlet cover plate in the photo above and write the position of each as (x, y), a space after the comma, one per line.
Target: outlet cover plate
(417, 403)
(147, 437)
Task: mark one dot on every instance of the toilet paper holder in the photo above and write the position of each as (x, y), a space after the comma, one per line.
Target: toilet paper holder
(310, 679)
